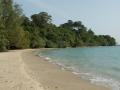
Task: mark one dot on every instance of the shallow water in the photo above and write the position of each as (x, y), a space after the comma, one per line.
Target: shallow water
(100, 65)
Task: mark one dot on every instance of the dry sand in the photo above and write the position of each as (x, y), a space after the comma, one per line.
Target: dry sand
(13, 75)
(22, 70)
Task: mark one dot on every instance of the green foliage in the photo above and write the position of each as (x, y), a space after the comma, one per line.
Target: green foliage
(70, 34)
(50, 44)
(22, 39)
(36, 41)
(12, 19)
(18, 31)
(41, 20)
(3, 42)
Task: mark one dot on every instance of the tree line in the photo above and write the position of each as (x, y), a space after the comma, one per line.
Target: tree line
(18, 31)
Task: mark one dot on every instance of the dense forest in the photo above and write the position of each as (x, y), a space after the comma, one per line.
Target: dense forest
(18, 31)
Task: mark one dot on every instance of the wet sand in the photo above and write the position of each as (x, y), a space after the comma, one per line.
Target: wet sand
(23, 70)
(52, 77)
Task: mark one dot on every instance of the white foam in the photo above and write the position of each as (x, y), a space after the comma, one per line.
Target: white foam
(115, 85)
(76, 73)
(94, 79)
(47, 58)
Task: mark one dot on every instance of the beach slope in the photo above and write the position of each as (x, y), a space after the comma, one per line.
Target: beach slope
(22, 70)
(12, 73)
(52, 77)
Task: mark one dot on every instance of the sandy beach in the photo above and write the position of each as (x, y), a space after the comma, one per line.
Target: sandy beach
(23, 70)
(13, 75)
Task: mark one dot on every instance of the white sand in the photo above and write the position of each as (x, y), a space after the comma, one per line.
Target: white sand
(13, 75)
(22, 70)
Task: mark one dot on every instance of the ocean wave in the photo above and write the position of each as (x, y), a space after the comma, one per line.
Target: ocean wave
(98, 80)
(47, 58)
(94, 79)
(115, 85)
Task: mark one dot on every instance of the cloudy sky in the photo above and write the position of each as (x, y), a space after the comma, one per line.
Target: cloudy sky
(103, 16)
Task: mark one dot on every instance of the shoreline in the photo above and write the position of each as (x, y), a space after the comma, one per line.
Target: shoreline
(52, 77)
(23, 70)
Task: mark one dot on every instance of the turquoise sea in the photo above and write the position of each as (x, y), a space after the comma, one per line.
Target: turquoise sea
(99, 65)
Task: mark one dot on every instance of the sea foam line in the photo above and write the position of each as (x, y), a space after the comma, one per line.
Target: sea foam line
(94, 79)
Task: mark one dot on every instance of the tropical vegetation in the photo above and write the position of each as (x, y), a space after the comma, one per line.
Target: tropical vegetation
(18, 31)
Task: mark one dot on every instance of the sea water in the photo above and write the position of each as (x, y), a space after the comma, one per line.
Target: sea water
(99, 65)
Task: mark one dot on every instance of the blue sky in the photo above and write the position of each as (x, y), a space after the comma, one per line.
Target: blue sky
(103, 16)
